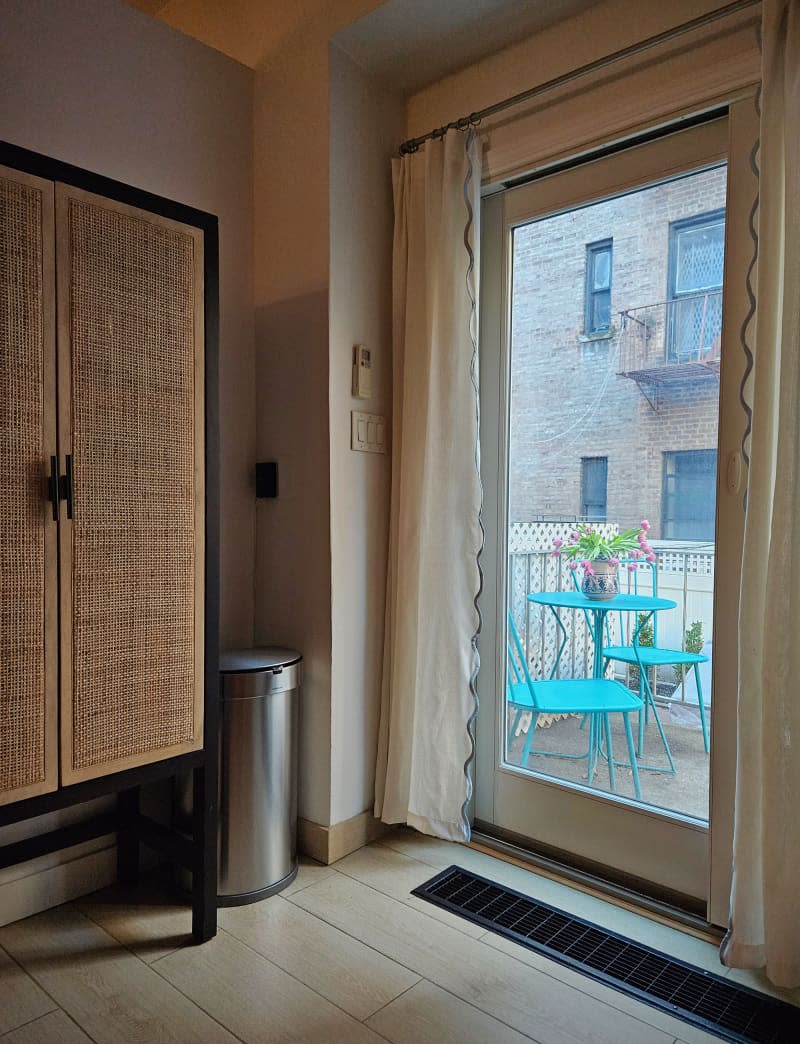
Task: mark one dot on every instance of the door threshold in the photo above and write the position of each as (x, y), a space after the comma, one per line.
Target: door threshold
(673, 910)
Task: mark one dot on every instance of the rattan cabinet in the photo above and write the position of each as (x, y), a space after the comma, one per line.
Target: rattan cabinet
(107, 643)
(123, 490)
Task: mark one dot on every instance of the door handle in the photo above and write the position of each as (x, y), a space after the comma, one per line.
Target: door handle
(53, 493)
(65, 485)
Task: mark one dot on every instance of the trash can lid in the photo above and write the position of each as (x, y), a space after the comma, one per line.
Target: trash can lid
(263, 659)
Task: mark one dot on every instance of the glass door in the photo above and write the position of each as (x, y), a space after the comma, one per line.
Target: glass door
(602, 377)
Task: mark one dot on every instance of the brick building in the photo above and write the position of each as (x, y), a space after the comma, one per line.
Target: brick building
(615, 360)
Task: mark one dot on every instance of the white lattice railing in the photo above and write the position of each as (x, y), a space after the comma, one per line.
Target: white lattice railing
(538, 536)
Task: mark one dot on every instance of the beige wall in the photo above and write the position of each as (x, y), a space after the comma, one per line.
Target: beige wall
(102, 86)
(293, 557)
(366, 126)
(323, 136)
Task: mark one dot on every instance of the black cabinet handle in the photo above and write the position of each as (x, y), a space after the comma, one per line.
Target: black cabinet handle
(52, 487)
(65, 483)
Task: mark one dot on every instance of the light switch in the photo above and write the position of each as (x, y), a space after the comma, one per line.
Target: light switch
(367, 432)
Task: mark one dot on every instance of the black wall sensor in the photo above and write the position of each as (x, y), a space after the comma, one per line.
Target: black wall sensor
(266, 479)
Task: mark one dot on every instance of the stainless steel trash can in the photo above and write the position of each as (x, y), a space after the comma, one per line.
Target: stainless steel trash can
(258, 773)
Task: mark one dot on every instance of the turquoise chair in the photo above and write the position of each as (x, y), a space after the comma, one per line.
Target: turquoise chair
(647, 656)
(594, 697)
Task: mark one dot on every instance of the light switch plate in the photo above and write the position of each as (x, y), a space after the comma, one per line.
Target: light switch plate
(367, 432)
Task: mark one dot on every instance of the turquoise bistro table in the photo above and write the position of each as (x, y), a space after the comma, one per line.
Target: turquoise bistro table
(596, 612)
(622, 603)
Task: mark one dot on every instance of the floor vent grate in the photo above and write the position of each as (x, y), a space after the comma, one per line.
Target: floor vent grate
(713, 1003)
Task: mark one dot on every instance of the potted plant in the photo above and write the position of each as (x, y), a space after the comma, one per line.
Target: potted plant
(693, 642)
(600, 556)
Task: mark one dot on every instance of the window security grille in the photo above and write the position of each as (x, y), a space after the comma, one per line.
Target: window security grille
(696, 257)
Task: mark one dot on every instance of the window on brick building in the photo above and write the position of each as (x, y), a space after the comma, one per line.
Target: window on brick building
(594, 488)
(689, 495)
(597, 318)
(696, 255)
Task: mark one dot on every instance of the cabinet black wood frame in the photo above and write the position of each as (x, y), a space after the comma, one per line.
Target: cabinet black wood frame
(197, 852)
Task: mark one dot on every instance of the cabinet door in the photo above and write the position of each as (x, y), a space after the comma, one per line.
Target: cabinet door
(28, 550)
(131, 419)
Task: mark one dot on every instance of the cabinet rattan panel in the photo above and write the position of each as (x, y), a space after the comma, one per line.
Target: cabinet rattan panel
(26, 350)
(133, 353)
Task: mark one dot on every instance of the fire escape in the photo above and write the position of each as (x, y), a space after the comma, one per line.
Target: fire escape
(672, 342)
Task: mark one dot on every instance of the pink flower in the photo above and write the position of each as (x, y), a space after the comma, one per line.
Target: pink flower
(644, 524)
(632, 567)
(573, 564)
(587, 567)
(557, 542)
(556, 553)
(636, 554)
(574, 536)
(651, 557)
(613, 561)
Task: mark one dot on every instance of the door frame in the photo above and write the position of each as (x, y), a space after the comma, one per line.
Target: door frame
(706, 882)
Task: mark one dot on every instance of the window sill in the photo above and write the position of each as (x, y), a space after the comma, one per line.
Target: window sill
(604, 335)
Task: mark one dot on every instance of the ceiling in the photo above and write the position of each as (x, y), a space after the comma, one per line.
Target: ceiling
(409, 44)
(406, 44)
(150, 7)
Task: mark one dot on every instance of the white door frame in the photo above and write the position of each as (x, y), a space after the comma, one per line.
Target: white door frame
(673, 853)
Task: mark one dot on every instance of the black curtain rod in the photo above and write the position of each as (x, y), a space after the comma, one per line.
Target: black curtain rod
(475, 118)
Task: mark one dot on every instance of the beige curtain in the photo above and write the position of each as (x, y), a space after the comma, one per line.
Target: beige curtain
(428, 701)
(765, 902)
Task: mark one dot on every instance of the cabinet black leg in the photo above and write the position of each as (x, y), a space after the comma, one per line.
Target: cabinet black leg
(127, 837)
(204, 887)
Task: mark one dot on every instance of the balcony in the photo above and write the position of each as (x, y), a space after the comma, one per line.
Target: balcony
(671, 342)
(685, 575)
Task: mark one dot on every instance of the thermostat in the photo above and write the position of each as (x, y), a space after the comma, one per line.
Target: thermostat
(362, 372)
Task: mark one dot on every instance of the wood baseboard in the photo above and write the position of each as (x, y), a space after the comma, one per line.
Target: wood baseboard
(58, 878)
(88, 867)
(326, 844)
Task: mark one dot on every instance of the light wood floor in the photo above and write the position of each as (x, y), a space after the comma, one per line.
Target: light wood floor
(344, 954)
